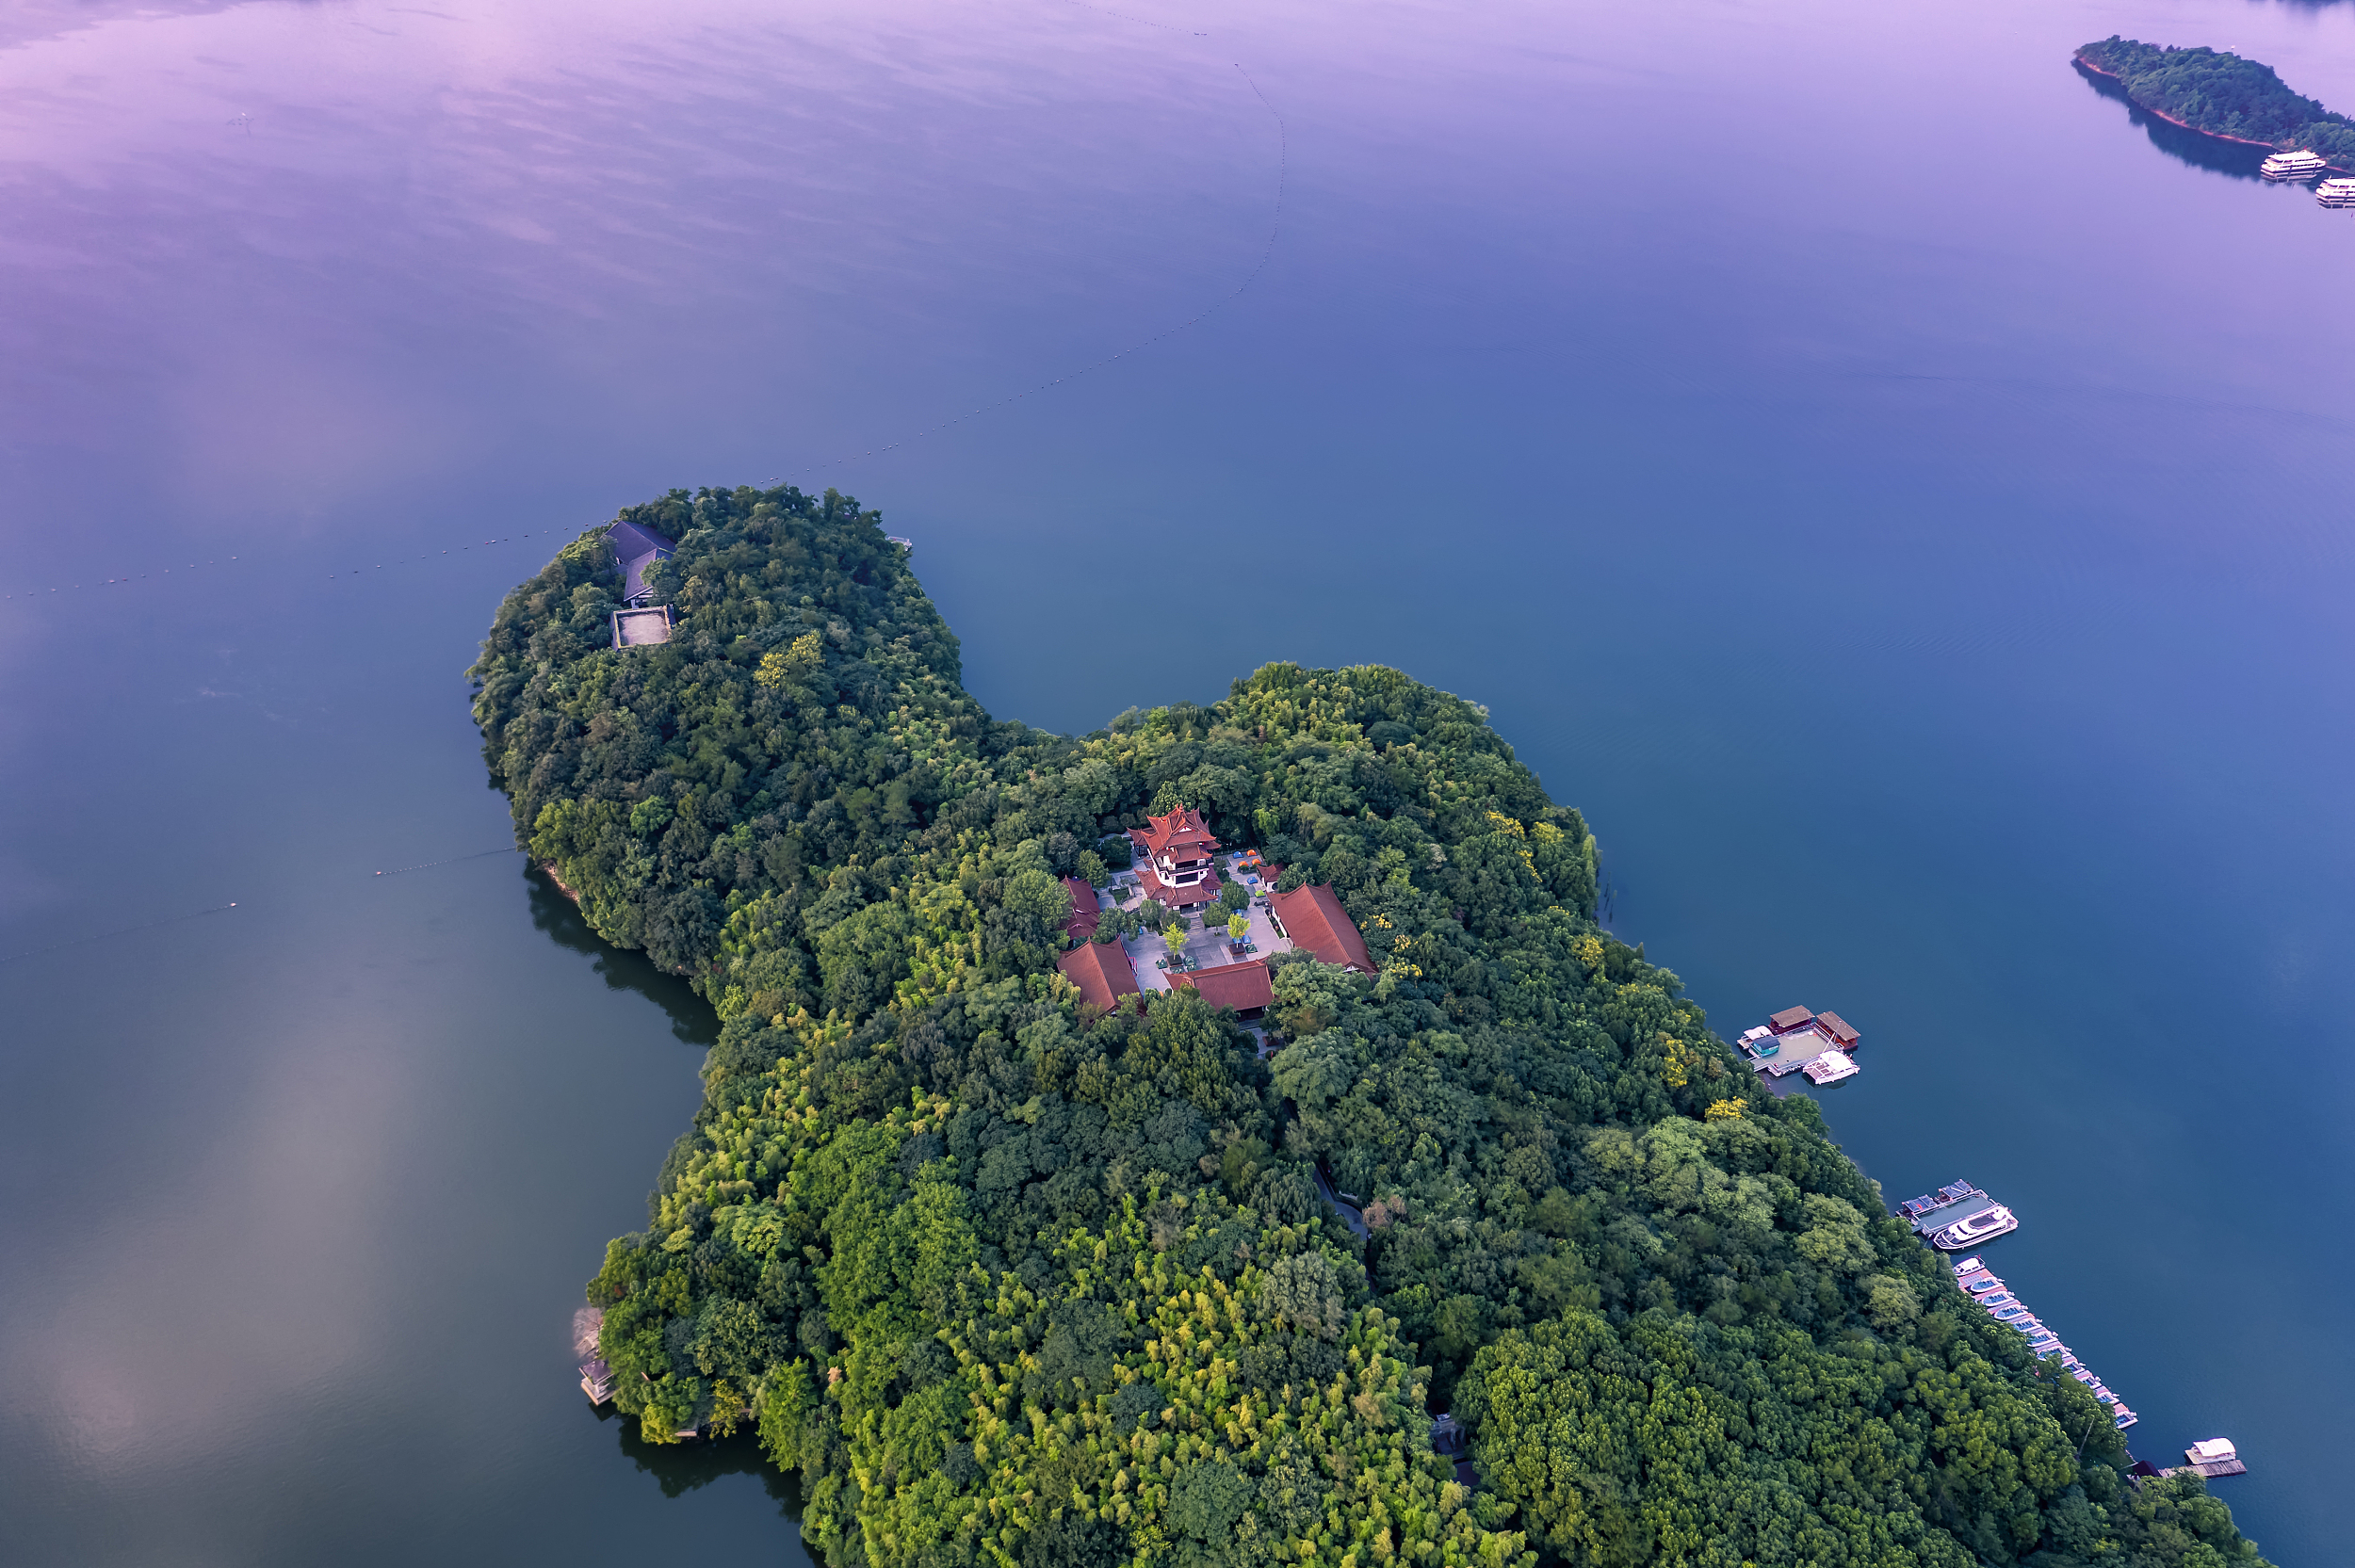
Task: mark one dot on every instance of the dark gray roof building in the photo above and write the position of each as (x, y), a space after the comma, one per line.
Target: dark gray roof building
(637, 548)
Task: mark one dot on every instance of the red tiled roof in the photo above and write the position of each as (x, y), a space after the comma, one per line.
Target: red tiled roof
(1842, 1033)
(1101, 972)
(1086, 913)
(1242, 986)
(1187, 897)
(1790, 1018)
(1314, 919)
(1181, 828)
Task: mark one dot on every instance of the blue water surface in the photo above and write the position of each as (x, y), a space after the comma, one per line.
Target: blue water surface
(1897, 490)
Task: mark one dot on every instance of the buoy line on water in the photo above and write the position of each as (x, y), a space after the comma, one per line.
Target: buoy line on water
(503, 849)
(183, 572)
(1140, 21)
(121, 930)
(222, 908)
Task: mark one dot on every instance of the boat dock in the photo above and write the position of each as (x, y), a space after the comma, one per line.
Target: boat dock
(1958, 1216)
(2000, 1304)
(596, 1378)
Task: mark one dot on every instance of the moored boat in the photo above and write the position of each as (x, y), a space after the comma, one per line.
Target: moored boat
(2336, 193)
(1968, 1232)
(1830, 1067)
(2298, 164)
(2001, 1302)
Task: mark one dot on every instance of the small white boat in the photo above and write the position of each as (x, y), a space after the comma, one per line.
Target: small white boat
(1831, 1067)
(2299, 165)
(2336, 193)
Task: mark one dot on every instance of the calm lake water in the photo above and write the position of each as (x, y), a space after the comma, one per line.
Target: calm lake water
(1885, 483)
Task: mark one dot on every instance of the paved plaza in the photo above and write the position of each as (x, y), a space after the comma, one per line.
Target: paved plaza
(1205, 949)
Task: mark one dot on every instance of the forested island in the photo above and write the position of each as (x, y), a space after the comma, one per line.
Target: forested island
(1014, 1280)
(2222, 95)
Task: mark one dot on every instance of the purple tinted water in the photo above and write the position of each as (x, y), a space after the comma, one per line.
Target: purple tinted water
(1889, 490)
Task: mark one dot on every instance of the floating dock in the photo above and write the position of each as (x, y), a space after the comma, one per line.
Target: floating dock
(2004, 1305)
(2209, 1458)
(1795, 1039)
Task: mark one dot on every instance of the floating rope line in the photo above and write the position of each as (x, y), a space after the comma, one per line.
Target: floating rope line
(1276, 227)
(198, 566)
(1138, 20)
(504, 850)
(222, 908)
(125, 931)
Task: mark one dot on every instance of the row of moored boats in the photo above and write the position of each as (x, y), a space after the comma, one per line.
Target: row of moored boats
(1980, 1283)
(2303, 165)
(1960, 1215)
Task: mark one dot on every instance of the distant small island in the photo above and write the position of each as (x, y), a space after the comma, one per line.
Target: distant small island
(2221, 95)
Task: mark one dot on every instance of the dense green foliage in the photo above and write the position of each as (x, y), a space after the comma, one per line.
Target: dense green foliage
(1012, 1281)
(2223, 95)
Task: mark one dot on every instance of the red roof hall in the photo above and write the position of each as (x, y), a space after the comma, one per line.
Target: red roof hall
(1244, 987)
(1086, 913)
(1101, 972)
(1313, 918)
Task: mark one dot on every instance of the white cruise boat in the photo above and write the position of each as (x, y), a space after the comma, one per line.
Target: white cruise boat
(2300, 165)
(1997, 1220)
(2336, 193)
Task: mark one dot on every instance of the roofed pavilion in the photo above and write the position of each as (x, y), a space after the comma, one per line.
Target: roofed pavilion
(1175, 866)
